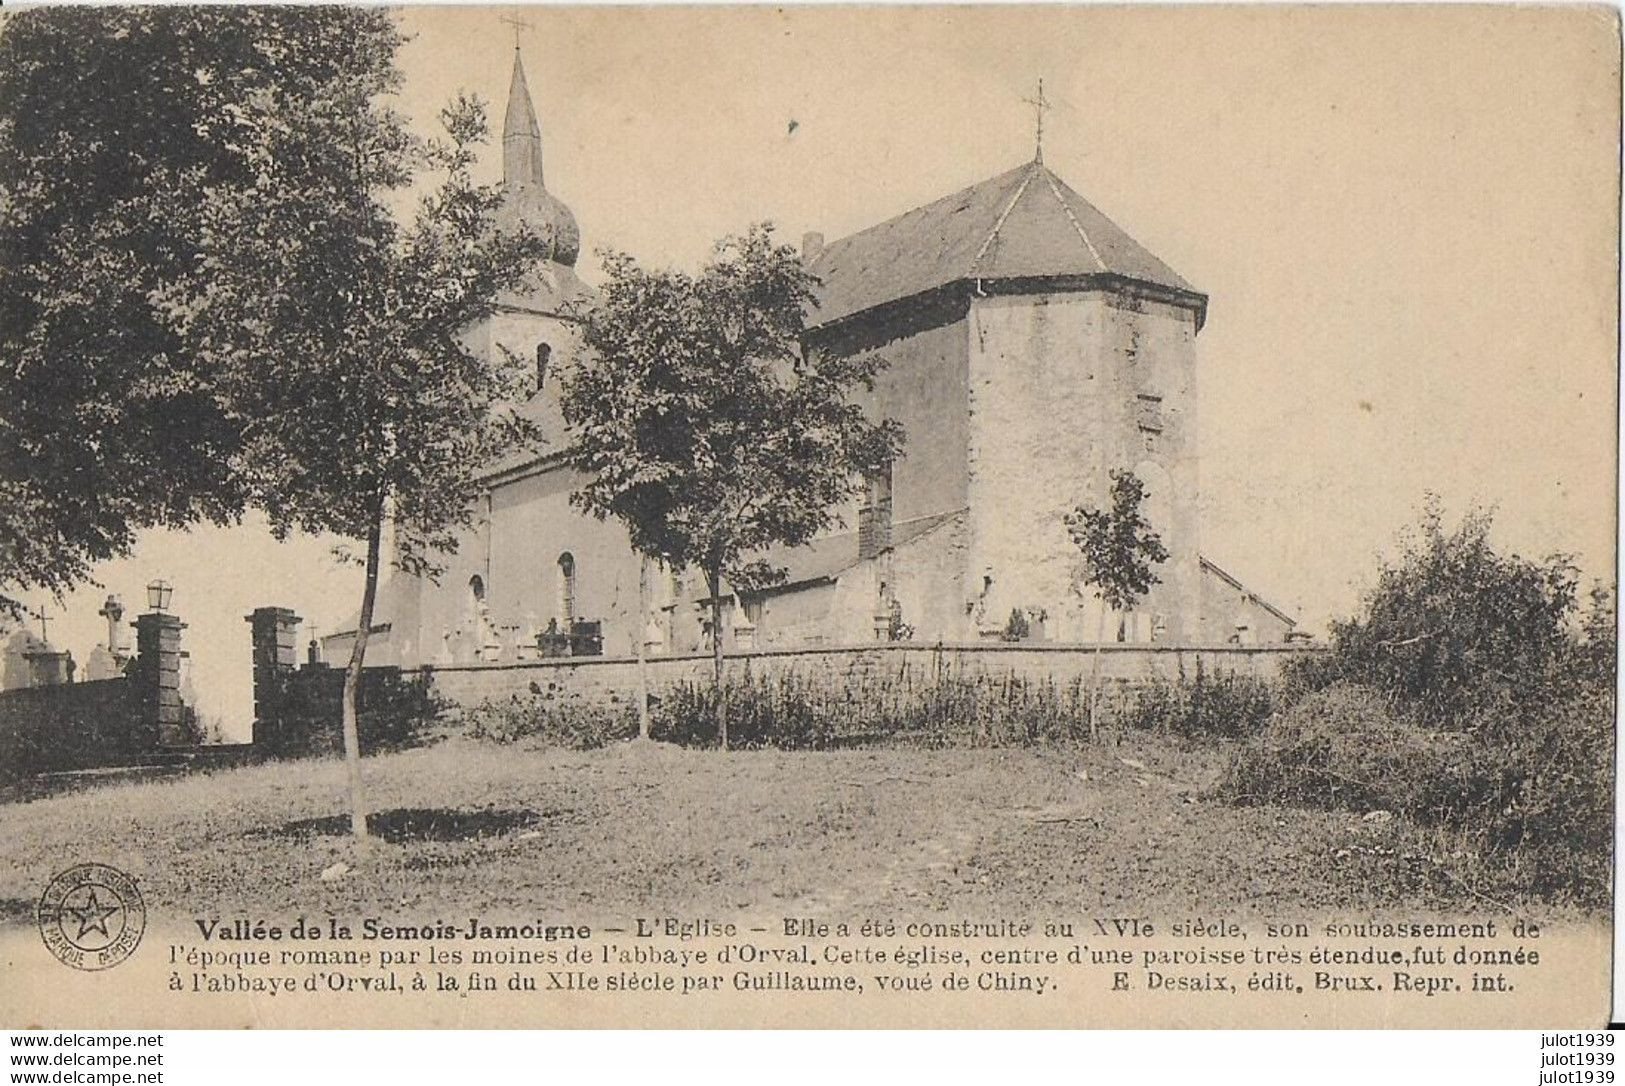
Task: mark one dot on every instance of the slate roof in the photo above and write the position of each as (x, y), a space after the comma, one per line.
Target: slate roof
(1213, 568)
(827, 558)
(1021, 224)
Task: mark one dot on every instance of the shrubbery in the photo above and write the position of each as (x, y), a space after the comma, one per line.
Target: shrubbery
(392, 711)
(1523, 808)
(1469, 701)
(553, 717)
(820, 710)
(1222, 706)
(1345, 747)
(1453, 628)
(788, 713)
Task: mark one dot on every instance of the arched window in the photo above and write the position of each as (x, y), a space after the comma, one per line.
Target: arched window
(567, 591)
(544, 354)
(476, 588)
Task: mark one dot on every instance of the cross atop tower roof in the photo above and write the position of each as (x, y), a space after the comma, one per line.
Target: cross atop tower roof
(1041, 105)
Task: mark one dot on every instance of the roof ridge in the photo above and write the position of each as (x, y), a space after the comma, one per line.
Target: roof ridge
(998, 223)
(1231, 580)
(918, 211)
(1073, 219)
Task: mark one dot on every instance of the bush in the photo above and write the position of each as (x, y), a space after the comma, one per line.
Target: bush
(1468, 700)
(392, 712)
(1222, 706)
(1520, 802)
(820, 710)
(1542, 784)
(1453, 626)
(1341, 747)
(786, 712)
(554, 717)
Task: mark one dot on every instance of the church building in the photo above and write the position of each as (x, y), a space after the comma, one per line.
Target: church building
(1031, 347)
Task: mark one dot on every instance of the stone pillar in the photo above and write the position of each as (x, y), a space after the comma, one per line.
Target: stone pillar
(276, 653)
(158, 674)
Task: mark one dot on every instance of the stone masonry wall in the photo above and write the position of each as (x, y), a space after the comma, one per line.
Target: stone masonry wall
(72, 726)
(1060, 385)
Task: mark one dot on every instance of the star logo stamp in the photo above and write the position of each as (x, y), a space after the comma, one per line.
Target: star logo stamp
(91, 916)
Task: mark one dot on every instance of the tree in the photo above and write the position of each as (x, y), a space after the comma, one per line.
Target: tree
(334, 330)
(706, 429)
(1453, 627)
(114, 124)
(1119, 549)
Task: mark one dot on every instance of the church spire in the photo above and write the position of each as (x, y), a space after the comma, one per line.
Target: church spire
(521, 135)
(526, 200)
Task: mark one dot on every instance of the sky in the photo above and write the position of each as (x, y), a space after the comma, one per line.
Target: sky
(1405, 219)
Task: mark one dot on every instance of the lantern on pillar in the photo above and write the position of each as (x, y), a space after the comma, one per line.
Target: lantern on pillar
(158, 593)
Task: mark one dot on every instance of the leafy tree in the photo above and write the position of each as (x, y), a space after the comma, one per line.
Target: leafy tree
(1596, 652)
(704, 427)
(115, 123)
(334, 330)
(1453, 626)
(1119, 549)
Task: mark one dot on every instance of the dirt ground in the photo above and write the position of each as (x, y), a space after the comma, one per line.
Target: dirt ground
(473, 828)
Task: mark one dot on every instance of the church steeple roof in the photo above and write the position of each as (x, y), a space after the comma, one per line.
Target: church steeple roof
(521, 133)
(1024, 224)
(527, 200)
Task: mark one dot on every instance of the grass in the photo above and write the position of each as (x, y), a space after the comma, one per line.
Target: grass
(649, 829)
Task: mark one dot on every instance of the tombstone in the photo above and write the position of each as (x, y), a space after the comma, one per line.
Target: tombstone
(16, 671)
(109, 660)
(49, 666)
(487, 645)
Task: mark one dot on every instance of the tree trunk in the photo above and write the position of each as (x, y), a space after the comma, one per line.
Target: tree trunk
(352, 683)
(719, 675)
(1094, 671)
(643, 647)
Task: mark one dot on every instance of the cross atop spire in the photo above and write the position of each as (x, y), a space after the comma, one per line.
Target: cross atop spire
(518, 24)
(1041, 105)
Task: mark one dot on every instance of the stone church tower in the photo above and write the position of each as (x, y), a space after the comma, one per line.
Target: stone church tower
(1032, 347)
(425, 621)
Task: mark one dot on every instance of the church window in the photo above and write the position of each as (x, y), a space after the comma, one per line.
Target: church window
(567, 591)
(544, 354)
(476, 588)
